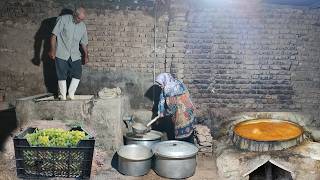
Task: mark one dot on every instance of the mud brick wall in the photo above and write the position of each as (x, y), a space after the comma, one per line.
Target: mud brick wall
(233, 56)
(120, 40)
(121, 47)
(121, 52)
(247, 56)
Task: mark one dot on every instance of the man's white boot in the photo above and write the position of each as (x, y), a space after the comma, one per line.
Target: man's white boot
(73, 87)
(62, 89)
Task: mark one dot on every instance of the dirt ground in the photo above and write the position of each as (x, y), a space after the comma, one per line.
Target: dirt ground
(101, 166)
(205, 170)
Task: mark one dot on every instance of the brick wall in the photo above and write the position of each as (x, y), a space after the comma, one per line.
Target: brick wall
(121, 52)
(120, 40)
(247, 57)
(121, 43)
(232, 56)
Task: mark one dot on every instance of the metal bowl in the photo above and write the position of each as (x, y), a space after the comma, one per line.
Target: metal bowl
(139, 128)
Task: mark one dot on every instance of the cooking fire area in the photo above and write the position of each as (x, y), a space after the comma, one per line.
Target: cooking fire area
(268, 145)
(255, 145)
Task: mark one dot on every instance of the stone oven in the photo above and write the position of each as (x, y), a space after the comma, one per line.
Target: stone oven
(248, 158)
(270, 171)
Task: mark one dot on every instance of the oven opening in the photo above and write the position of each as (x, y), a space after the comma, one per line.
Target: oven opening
(269, 171)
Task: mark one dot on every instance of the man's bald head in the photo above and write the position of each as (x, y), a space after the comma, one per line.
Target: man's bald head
(79, 14)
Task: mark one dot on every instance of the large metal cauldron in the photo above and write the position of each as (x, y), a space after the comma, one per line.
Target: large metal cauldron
(134, 160)
(267, 134)
(175, 159)
(147, 139)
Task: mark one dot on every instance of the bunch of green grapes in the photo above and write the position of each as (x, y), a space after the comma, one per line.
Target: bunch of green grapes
(55, 137)
(74, 137)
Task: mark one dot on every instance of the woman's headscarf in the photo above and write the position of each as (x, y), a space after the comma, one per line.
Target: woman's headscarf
(167, 81)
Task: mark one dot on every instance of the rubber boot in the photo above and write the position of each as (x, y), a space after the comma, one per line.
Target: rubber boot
(62, 89)
(73, 87)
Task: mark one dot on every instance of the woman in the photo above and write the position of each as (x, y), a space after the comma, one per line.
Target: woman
(175, 103)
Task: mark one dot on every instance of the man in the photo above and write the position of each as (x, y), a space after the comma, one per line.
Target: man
(68, 33)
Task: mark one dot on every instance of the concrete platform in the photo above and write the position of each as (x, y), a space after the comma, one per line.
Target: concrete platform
(102, 117)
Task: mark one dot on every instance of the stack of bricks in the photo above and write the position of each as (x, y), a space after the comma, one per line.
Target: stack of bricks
(203, 139)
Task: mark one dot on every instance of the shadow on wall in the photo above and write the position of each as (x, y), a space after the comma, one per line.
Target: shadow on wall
(42, 39)
(153, 94)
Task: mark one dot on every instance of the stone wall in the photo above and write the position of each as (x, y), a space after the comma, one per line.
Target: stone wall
(233, 56)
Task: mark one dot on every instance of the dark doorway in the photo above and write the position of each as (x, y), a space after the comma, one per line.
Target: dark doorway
(8, 123)
(269, 171)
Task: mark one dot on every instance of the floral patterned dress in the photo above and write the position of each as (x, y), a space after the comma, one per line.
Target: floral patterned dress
(176, 102)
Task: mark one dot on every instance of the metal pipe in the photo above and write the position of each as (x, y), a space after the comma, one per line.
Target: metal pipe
(154, 49)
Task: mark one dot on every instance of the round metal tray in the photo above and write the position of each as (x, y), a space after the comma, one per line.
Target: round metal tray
(268, 130)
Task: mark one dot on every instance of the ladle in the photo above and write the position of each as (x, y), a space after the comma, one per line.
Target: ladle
(139, 128)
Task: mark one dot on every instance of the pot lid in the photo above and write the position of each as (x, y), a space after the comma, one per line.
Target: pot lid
(135, 152)
(149, 136)
(175, 149)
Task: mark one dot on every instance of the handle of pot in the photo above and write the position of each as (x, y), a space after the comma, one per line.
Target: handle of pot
(128, 120)
(155, 154)
(152, 121)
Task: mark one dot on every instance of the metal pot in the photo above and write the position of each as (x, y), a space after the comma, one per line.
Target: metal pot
(175, 159)
(147, 139)
(134, 160)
